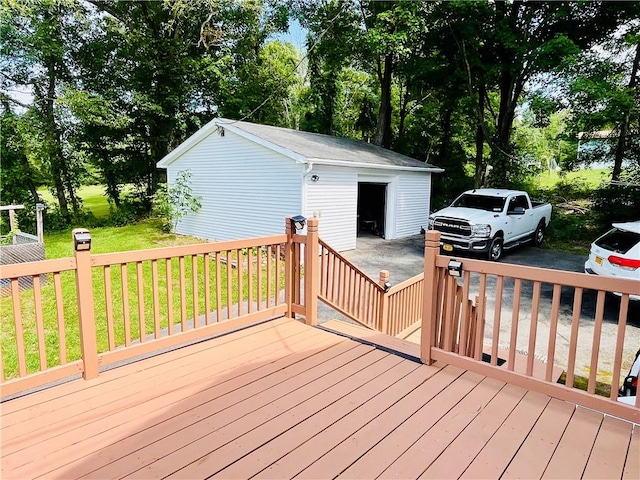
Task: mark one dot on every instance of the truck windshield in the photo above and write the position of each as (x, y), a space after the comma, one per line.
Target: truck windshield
(480, 202)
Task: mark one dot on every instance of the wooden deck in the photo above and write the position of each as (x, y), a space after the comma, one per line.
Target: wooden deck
(282, 399)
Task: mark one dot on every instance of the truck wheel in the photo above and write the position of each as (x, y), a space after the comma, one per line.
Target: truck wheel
(495, 252)
(538, 235)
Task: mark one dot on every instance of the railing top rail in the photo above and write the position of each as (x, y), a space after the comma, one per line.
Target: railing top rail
(406, 283)
(11, 207)
(39, 267)
(342, 259)
(195, 249)
(536, 274)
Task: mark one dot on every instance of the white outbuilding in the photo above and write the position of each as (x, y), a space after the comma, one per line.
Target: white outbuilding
(250, 177)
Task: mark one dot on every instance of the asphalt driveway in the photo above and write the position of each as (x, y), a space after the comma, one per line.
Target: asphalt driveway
(404, 259)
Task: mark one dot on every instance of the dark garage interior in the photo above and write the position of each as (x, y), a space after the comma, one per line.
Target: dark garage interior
(371, 208)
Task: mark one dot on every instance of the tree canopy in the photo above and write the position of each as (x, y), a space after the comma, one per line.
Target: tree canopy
(100, 90)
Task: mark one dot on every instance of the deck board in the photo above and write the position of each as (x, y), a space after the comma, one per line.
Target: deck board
(282, 399)
(496, 453)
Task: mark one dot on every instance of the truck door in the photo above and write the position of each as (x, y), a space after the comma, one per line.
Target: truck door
(521, 216)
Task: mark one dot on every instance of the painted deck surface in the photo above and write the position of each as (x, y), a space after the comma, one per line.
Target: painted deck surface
(282, 399)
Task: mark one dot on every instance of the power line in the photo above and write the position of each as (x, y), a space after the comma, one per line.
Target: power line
(305, 56)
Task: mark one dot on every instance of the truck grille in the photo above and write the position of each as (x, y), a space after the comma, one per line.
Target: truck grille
(452, 226)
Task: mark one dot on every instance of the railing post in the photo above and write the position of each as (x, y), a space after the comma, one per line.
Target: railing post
(311, 272)
(429, 295)
(383, 281)
(39, 222)
(288, 268)
(86, 315)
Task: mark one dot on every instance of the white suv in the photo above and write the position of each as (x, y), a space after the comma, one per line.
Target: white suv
(617, 253)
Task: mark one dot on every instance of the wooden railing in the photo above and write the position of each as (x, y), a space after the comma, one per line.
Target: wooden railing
(450, 335)
(404, 305)
(91, 311)
(347, 289)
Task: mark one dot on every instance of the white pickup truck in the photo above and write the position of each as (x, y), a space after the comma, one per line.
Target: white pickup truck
(487, 221)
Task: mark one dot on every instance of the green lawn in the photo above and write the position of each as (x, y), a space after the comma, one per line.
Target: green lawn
(93, 199)
(143, 235)
(592, 178)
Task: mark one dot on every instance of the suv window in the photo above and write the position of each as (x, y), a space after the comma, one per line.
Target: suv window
(618, 241)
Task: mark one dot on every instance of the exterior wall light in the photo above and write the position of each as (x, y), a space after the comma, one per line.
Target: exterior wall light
(315, 178)
(298, 222)
(455, 268)
(81, 239)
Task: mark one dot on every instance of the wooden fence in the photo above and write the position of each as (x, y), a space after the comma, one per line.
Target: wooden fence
(98, 310)
(377, 305)
(451, 335)
(347, 289)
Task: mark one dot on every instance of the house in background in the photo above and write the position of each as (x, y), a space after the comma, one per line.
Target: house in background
(250, 176)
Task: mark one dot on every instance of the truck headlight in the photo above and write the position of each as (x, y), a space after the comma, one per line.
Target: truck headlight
(481, 230)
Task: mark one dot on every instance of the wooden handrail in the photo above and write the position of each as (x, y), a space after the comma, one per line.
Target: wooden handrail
(196, 249)
(537, 274)
(350, 264)
(406, 283)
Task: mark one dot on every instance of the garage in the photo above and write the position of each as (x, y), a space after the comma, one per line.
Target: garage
(250, 177)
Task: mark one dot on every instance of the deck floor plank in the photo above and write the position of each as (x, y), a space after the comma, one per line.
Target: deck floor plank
(282, 399)
(367, 453)
(163, 443)
(632, 464)
(341, 455)
(134, 431)
(567, 460)
(123, 399)
(296, 450)
(70, 408)
(607, 457)
(463, 450)
(498, 452)
(361, 401)
(534, 454)
(429, 446)
(121, 374)
(326, 391)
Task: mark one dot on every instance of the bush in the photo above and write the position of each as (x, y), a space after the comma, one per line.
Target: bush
(616, 203)
(170, 204)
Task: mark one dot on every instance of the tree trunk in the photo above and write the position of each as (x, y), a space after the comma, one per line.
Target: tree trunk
(624, 126)
(446, 136)
(383, 134)
(478, 181)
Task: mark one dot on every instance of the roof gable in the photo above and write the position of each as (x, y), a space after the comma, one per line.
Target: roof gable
(306, 147)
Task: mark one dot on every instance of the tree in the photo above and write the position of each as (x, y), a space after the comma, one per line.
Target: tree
(37, 39)
(530, 38)
(18, 178)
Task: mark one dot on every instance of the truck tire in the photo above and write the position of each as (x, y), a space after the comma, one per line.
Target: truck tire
(495, 251)
(539, 234)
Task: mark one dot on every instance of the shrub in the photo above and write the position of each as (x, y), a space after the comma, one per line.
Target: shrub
(170, 204)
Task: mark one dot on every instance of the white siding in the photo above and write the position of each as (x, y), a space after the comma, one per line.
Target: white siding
(247, 190)
(412, 203)
(333, 199)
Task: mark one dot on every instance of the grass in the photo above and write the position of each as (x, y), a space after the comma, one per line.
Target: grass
(592, 177)
(93, 199)
(123, 299)
(581, 383)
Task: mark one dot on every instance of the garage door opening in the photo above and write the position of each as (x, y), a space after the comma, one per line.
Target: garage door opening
(372, 202)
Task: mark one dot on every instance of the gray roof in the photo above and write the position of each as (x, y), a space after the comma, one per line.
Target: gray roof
(318, 147)
(306, 147)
